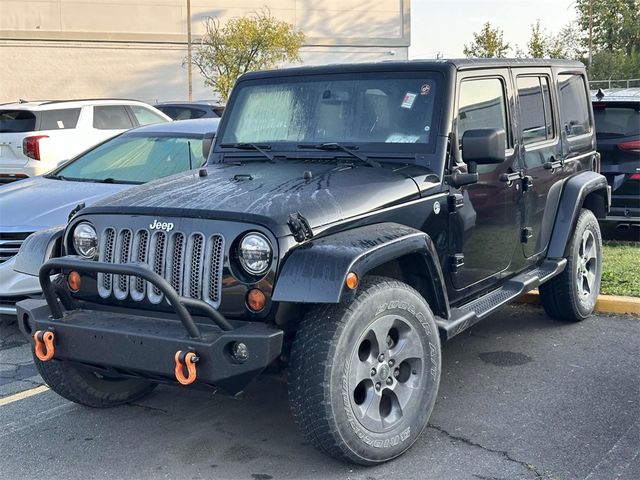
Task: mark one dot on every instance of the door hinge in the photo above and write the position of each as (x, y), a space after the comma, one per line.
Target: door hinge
(527, 183)
(526, 234)
(456, 262)
(455, 201)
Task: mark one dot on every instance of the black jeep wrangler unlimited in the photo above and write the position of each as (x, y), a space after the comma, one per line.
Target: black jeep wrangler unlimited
(348, 220)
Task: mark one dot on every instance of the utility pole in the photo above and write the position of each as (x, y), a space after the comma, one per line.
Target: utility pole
(189, 63)
(590, 31)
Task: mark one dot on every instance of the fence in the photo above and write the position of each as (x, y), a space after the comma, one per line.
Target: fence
(632, 82)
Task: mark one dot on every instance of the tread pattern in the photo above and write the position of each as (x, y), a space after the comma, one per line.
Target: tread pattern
(558, 295)
(311, 362)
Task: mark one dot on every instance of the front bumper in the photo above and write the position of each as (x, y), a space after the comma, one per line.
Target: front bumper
(126, 344)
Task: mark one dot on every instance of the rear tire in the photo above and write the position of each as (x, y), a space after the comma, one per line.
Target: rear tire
(83, 386)
(364, 375)
(572, 295)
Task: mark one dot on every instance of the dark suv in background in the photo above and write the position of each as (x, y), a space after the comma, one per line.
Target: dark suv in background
(350, 218)
(617, 117)
(190, 110)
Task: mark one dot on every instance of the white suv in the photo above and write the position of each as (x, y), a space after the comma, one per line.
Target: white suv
(36, 137)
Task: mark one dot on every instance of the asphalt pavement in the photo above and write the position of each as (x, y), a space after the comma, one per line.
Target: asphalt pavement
(522, 397)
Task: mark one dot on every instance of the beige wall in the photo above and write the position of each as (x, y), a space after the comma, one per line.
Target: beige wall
(75, 48)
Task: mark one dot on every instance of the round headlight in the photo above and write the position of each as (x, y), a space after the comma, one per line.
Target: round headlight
(85, 240)
(254, 253)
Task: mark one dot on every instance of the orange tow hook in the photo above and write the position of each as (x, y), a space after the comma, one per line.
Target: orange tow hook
(188, 360)
(44, 341)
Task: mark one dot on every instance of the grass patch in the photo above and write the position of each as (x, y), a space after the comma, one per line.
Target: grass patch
(621, 268)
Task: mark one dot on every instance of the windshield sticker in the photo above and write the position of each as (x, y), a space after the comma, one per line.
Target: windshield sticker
(425, 89)
(60, 124)
(407, 101)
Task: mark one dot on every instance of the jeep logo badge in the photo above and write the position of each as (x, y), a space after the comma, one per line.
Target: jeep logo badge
(156, 225)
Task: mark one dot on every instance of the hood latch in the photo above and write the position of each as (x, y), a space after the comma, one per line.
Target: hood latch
(299, 227)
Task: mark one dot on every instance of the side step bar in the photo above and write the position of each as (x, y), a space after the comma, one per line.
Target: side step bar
(469, 314)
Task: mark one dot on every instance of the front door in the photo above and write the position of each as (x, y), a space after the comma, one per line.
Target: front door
(485, 230)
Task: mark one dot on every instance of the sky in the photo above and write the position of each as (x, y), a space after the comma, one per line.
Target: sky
(446, 25)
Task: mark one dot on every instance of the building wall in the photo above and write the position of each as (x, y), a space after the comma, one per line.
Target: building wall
(75, 48)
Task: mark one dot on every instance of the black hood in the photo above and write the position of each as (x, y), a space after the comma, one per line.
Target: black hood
(323, 192)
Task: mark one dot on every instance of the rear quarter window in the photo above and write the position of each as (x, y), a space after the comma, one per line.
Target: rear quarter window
(16, 121)
(59, 119)
(574, 105)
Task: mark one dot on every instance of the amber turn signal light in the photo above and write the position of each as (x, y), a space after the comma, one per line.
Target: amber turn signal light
(73, 281)
(256, 300)
(351, 281)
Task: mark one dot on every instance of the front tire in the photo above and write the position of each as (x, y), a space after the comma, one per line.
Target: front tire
(572, 295)
(364, 375)
(89, 388)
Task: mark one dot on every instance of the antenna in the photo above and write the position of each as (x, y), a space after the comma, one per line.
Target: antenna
(189, 147)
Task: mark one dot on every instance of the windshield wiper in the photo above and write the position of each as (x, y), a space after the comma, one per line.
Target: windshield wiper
(55, 177)
(345, 148)
(252, 146)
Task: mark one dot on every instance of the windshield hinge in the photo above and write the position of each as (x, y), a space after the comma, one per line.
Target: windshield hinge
(76, 209)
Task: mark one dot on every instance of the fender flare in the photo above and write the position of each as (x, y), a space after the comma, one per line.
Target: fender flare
(584, 187)
(316, 271)
(37, 249)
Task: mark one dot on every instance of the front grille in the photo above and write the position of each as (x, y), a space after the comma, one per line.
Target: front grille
(10, 244)
(191, 263)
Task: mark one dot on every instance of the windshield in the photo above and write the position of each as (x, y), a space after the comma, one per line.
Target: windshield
(381, 110)
(136, 158)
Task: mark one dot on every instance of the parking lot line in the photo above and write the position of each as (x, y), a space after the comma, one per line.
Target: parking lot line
(24, 394)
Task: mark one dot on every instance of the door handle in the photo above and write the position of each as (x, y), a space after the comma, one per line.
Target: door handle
(552, 164)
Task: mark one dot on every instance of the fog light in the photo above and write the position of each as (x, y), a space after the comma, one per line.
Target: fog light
(73, 281)
(256, 300)
(240, 352)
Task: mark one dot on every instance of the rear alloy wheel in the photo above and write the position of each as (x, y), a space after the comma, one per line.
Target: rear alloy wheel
(572, 295)
(364, 375)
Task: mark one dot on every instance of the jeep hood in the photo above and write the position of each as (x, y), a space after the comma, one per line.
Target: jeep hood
(36, 203)
(322, 191)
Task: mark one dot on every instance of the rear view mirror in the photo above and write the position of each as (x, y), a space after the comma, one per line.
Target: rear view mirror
(484, 146)
(207, 141)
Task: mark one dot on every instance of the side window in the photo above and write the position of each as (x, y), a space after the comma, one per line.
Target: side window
(535, 109)
(145, 116)
(574, 107)
(111, 117)
(482, 104)
(59, 119)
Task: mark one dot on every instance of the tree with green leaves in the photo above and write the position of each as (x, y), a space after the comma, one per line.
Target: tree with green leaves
(488, 43)
(537, 45)
(244, 44)
(616, 24)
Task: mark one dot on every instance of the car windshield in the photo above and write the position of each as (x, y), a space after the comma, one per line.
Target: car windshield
(616, 121)
(381, 110)
(136, 158)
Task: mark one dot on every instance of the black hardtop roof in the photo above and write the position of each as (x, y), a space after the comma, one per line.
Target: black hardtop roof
(443, 65)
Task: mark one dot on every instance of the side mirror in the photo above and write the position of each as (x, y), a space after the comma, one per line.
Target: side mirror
(484, 146)
(207, 141)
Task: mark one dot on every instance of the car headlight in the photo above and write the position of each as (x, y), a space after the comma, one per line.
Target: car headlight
(85, 240)
(254, 253)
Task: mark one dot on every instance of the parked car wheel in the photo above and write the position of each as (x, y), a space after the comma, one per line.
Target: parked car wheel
(86, 387)
(364, 375)
(572, 295)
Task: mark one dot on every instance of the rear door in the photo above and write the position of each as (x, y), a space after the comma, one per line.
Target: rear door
(15, 125)
(541, 150)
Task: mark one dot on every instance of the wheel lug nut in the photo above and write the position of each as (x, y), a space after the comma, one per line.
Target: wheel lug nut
(391, 363)
(396, 373)
(378, 386)
(381, 357)
(373, 372)
(389, 381)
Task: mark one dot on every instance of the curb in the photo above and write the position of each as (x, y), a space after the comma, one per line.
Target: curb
(605, 303)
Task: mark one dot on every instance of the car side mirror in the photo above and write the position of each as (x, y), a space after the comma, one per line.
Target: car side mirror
(207, 141)
(484, 146)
